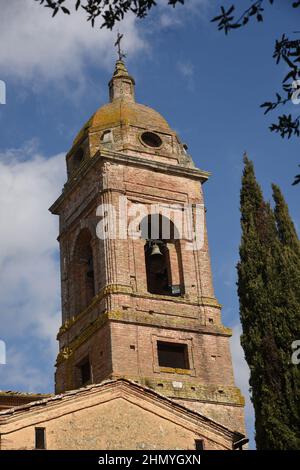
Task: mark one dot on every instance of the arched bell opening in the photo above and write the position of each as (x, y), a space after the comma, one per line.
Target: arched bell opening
(162, 256)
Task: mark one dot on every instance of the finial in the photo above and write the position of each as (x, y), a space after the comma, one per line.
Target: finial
(122, 84)
(118, 45)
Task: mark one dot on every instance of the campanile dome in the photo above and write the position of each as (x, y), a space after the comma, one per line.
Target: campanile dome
(123, 125)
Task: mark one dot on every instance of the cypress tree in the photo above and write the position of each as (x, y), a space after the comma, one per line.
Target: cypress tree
(287, 322)
(263, 273)
(285, 226)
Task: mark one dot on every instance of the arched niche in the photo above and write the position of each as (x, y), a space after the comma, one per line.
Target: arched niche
(82, 271)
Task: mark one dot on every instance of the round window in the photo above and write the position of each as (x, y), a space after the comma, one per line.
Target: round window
(151, 139)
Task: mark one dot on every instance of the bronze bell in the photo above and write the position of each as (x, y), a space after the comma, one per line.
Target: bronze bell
(155, 250)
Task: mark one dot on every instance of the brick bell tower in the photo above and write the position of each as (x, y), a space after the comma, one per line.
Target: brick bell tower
(139, 307)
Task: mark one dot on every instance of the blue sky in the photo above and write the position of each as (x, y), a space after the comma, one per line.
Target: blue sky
(209, 88)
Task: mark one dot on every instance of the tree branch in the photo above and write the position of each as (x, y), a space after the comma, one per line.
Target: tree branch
(110, 11)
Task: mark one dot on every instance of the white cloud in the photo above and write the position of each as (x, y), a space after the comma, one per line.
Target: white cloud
(25, 375)
(186, 69)
(37, 47)
(241, 372)
(173, 17)
(2, 352)
(167, 20)
(29, 283)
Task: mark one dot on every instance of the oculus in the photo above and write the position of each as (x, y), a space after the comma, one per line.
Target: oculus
(151, 140)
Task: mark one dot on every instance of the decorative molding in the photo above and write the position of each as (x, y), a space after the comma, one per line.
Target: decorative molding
(124, 289)
(107, 290)
(118, 157)
(68, 352)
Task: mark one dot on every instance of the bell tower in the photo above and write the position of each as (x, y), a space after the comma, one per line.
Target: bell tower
(137, 293)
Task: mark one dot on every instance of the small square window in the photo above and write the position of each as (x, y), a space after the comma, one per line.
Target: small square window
(199, 444)
(174, 355)
(40, 438)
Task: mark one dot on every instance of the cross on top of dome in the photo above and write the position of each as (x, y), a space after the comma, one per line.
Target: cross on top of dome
(121, 54)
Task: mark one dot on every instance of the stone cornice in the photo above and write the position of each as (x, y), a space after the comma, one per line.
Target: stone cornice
(127, 160)
(123, 289)
(170, 323)
(107, 290)
(193, 173)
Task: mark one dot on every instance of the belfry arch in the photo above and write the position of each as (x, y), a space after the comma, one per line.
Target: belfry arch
(162, 256)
